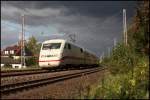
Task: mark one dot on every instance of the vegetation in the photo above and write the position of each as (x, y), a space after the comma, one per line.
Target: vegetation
(129, 75)
(35, 50)
(33, 45)
(30, 61)
(10, 56)
(128, 65)
(139, 31)
(7, 65)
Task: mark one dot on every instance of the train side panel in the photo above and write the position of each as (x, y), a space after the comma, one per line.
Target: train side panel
(73, 55)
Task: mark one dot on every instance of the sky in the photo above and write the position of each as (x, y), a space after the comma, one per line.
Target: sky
(96, 24)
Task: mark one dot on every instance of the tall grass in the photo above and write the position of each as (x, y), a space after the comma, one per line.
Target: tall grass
(129, 78)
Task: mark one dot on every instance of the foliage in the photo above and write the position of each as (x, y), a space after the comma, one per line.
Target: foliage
(139, 32)
(31, 61)
(131, 85)
(10, 56)
(33, 45)
(7, 65)
(122, 59)
(35, 49)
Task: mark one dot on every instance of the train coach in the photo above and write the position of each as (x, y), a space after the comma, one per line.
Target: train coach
(61, 53)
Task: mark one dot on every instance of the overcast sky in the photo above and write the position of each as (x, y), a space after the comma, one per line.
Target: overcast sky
(95, 23)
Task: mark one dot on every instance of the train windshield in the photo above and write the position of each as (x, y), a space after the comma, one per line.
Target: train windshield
(51, 46)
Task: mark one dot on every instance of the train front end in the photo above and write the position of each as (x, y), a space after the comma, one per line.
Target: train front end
(50, 54)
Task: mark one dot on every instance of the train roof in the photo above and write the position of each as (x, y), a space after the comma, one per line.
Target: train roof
(87, 50)
(65, 40)
(54, 40)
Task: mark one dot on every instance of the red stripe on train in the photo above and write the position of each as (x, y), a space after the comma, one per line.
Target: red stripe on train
(49, 60)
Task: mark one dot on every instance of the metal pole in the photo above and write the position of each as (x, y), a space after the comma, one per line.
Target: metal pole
(103, 55)
(23, 45)
(24, 42)
(115, 42)
(124, 27)
(109, 51)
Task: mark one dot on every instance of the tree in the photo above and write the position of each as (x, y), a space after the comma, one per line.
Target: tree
(139, 33)
(33, 45)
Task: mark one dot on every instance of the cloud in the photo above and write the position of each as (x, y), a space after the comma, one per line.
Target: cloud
(43, 12)
(95, 23)
(9, 39)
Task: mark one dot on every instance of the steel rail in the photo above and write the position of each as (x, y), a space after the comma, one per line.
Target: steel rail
(9, 74)
(22, 70)
(11, 88)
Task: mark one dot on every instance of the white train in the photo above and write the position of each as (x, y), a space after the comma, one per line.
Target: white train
(60, 53)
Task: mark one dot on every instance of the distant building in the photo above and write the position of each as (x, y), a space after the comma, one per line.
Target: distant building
(11, 56)
(14, 52)
(5, 61)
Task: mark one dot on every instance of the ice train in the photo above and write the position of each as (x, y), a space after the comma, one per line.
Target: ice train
(61, 53)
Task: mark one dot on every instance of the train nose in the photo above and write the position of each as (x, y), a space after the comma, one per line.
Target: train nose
(50, 63)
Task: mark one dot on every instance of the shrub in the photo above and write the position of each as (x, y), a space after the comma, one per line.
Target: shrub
(133, 84)
(122, 60)
(30, 61)
(7, 65)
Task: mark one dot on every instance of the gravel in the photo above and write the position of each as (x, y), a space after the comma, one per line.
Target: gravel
(67, 89)
(18, 79)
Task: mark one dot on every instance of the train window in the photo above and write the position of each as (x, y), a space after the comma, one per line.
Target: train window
(81, 50)
(65, 46)
(51, 46)
(69, 46)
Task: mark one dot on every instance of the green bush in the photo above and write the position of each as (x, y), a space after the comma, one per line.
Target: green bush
(134, 84)
(122, 59)
(31, 61)
(7, 65)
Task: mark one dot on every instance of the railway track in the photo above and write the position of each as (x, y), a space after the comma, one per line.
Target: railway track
(17, 70)
(11, 88)
(22, 72)
(10, 73)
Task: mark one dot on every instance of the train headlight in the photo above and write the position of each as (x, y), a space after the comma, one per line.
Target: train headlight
(48, 56)
(51, 55)
(42, 56)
